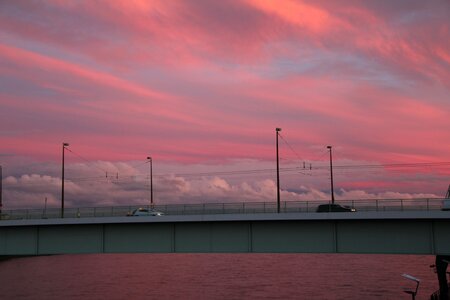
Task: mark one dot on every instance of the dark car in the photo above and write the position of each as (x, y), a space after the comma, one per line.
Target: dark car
(446, 204)
(334, 208)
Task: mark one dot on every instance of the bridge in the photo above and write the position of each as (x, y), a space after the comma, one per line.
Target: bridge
(390, 227)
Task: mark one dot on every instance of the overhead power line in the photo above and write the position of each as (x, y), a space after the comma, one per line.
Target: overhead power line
(86, 160)
(296, 169)
(290, 147)
(398, 165)
(299, 170)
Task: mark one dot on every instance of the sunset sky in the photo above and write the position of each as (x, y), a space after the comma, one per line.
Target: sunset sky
(200, 86)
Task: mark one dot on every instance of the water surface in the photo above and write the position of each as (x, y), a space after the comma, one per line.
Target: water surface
(215, 276)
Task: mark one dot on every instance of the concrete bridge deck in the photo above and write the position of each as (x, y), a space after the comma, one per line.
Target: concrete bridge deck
(395, 232)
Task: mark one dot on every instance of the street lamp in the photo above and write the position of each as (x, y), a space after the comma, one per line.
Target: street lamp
(64, 145)
(413, 293)
(278, 173)
(151, 180)
(331, 171)
(1, 189)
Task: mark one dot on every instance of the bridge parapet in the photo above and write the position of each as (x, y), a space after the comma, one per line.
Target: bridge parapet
(372, 205)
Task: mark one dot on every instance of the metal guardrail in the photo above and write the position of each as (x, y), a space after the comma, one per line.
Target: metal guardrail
(425, 204)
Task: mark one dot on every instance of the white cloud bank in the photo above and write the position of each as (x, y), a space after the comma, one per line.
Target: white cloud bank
(30, 191)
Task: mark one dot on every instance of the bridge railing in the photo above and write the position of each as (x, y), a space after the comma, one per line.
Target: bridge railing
(423, 204)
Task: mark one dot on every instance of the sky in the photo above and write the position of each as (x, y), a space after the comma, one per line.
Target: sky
(200, 86)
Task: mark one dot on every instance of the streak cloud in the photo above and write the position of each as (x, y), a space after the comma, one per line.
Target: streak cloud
(200, 86)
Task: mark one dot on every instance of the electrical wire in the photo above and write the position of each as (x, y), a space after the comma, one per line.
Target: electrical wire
(290, 147)
(315, 171)
(88, 161)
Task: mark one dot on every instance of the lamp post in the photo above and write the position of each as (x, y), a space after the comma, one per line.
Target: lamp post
(331, 171)
(45, 208)
(151, 180)
(413, 293)
(1, 189)
(278, 172)
(64, 145)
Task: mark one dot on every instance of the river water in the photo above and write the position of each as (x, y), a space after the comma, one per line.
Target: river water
(215, 276)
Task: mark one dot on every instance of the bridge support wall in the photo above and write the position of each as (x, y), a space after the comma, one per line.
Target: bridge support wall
(264, 236)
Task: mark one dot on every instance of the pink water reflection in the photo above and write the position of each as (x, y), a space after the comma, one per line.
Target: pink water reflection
(215, 276)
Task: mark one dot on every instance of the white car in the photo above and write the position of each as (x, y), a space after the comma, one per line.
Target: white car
(145, 212)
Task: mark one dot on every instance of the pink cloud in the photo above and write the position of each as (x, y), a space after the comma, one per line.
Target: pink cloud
(43, 63)
(207, 82)
(201, 36)
(306, 16)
